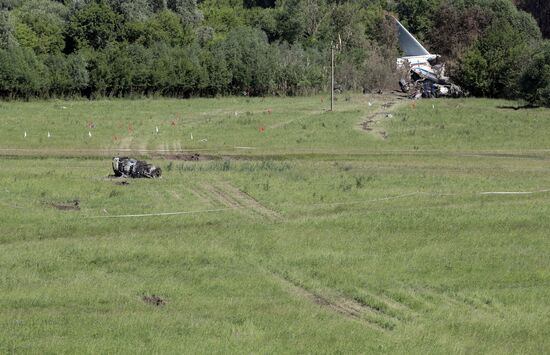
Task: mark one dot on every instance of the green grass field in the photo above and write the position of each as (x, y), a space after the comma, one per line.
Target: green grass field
(299, 233)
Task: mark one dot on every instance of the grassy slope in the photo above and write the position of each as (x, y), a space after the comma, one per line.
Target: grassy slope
(438, 269)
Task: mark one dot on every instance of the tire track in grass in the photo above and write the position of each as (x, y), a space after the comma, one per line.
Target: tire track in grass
(248, 201)
(227, 195)
(200, 195)
(358, 310)
(387, 309)
(433, 298)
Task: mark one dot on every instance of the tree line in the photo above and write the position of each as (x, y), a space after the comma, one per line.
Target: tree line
(183, 48)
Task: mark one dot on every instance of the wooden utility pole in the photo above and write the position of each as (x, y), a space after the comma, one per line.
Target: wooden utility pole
(331, 77)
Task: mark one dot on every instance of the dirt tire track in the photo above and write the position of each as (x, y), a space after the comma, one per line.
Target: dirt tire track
(370, 123)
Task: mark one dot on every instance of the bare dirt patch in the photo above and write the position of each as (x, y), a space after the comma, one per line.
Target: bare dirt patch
(66, 206)
(154, 300)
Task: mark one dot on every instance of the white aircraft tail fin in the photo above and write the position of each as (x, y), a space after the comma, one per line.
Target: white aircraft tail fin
(410, 45)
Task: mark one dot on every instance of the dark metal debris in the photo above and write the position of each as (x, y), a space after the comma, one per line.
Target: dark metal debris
(126, 167)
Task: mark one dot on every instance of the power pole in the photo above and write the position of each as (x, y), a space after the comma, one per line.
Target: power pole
(331, 76)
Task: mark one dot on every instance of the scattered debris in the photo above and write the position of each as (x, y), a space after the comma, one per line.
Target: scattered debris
(126, 167)
(67, 206)
(25, 135)
(425, 72)
(154, 300)
(49, 135)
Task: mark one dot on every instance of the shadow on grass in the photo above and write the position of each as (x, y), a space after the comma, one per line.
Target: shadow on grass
(515, 108)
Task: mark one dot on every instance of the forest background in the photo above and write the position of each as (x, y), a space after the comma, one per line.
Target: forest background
(184, 48)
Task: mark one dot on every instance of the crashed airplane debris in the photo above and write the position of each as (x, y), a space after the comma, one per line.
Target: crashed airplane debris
(425, 71)
(126, 167)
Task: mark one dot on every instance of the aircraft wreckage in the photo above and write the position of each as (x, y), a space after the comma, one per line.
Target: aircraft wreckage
(425, 72)
(126, 167)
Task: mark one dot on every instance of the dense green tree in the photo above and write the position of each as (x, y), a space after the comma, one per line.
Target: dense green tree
(158, 5)
(258, 47)
(22, 74)
(7, 30)
(222, 17)
(493, 66)
(298, 71)
(164, 26)
(417, 15)
(290, 20)
(264, 20)
(9, 4)
(132, 10)
(94, 26)
(44, 19)
(250, 61)
(187, 10)
(219, 76)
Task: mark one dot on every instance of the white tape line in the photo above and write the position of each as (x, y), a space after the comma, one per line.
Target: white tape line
(323, 204)
(513, 192)
(165, 213)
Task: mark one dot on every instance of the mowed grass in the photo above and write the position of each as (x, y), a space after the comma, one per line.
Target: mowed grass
(343, 242)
